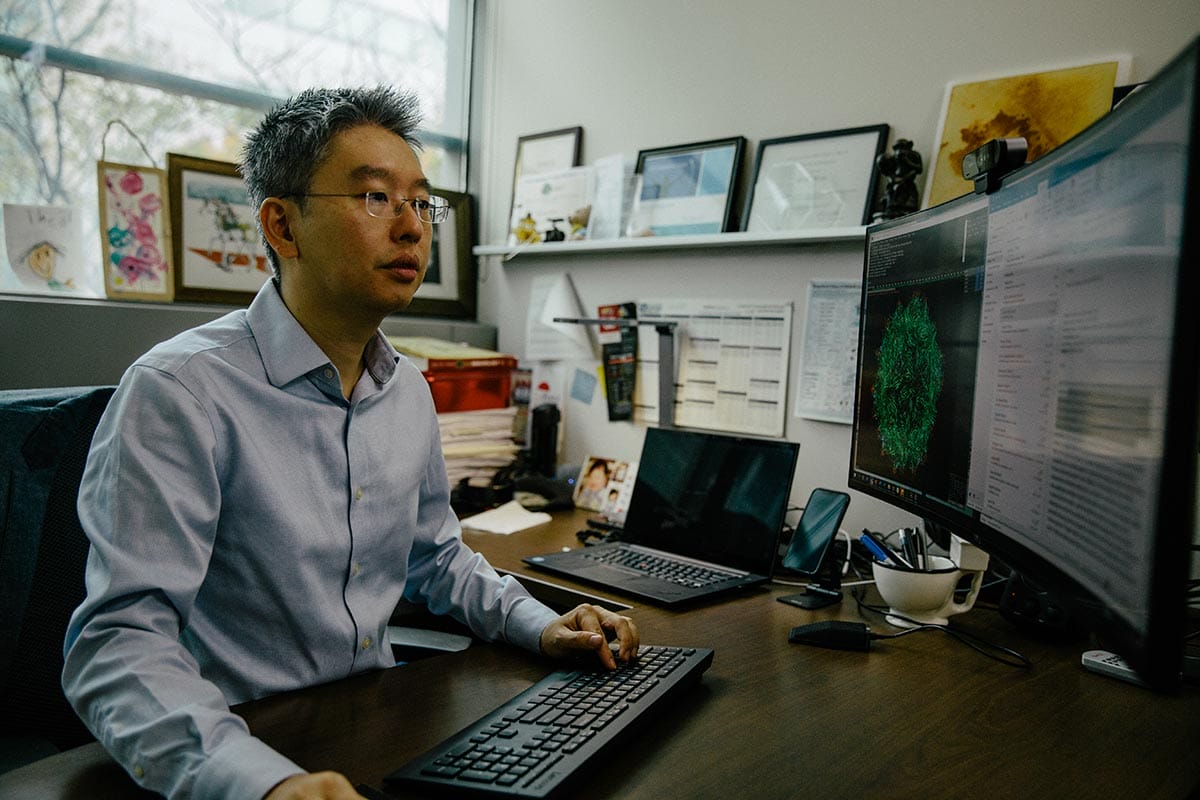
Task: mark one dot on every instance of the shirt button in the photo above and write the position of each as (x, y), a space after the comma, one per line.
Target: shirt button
(355, 570)
(329, 374)
(358, 494)
(138, 772)
(366, 643)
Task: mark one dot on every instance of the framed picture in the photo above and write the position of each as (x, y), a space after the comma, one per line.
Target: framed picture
(687, 189)
(1046, 108)
(815, 180)
(550, 151)
(219, 255)
(135, 238)
(552, 207)
(605, 485)
(449, 288)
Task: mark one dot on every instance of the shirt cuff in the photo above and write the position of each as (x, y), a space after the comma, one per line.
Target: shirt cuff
(246, 767)
(526, 622)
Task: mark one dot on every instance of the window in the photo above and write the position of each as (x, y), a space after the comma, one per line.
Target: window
(192, 76)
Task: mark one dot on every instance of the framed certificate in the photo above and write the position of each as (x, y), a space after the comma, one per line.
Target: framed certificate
(687, 189)
(546, 152)
(815, 180)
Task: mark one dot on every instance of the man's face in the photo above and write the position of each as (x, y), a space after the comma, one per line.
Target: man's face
(350, 263)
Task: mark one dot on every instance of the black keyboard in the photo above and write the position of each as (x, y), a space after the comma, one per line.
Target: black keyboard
(537, 742)
(668, 569)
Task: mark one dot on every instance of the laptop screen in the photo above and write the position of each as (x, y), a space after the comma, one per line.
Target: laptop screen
(717, 498)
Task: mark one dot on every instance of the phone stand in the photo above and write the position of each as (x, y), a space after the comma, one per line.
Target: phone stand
(826, 590)
(811, 552)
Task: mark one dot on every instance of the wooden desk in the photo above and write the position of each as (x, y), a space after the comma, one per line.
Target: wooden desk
(921, 716)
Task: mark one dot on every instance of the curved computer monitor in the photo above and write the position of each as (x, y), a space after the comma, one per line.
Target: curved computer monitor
(1027, 369)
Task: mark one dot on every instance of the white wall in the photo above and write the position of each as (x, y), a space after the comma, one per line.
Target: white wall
(647, 73)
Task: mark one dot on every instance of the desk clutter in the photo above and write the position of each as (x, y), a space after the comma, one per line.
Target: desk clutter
(480, 425)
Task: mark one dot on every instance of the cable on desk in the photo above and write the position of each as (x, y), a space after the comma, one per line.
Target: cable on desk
(982, 646)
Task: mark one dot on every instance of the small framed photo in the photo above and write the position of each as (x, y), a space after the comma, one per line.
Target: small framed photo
(540, 153)
(815, 180)
(605, 485)
(687, 189)
(134, 232)
(449, 288)
(219, 254)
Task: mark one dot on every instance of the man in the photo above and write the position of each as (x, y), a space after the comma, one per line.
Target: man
(263, 490)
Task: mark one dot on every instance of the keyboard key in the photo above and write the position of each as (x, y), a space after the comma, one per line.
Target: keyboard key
(477, 776)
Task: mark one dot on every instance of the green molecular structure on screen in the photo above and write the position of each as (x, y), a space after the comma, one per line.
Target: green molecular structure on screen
(908, 384)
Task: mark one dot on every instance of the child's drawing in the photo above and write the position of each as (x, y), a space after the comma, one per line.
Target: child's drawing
(42, 243)
(136, 247)
(221, 249)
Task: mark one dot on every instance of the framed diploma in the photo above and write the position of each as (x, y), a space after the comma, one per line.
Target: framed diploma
(815, 180)
(687, 189)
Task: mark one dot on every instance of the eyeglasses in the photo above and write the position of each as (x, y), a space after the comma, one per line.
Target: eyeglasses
(378, 204)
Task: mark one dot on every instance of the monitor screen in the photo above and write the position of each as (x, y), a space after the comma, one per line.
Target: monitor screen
(1027, 368)
(712, 497)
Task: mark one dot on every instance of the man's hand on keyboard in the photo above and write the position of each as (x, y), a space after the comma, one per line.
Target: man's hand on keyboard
(317, 786)
(589, 627)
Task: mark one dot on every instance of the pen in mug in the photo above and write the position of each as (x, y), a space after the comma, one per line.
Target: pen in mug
(882, 552)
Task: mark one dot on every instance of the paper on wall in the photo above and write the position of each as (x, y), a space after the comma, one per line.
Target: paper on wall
(552, 296)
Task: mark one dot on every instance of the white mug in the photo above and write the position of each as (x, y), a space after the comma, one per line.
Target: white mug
(924, 596)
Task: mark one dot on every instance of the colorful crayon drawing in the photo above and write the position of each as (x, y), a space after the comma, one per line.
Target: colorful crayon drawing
(136, 247)
(41, 259)
(219, 247)
(231, 241)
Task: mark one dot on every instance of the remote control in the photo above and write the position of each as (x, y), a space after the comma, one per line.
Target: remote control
(1110, 664)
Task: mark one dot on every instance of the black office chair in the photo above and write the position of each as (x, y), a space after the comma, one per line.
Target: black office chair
(45, 436)
(44, 440)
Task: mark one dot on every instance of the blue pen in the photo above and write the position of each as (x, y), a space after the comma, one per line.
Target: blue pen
(881, 552)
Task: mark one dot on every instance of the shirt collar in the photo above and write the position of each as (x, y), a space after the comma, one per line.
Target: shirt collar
(288, 352)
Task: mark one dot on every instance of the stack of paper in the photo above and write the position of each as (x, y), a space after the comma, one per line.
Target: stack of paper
(508, 518)
(477, 444)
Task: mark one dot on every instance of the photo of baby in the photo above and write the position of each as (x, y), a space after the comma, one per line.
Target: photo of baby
(605, 485)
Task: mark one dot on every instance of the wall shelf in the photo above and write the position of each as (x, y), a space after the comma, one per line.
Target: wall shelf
(707, 241)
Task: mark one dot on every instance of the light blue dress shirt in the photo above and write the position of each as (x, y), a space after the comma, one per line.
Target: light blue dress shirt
(251, 532)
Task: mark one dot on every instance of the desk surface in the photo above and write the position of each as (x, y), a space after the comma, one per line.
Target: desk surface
(918, 716)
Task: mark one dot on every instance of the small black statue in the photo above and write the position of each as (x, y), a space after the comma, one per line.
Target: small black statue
(901, 168)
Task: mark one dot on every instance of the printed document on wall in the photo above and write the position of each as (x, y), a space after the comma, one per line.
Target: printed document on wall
(825, 387)
(552, 296)
(731, 364)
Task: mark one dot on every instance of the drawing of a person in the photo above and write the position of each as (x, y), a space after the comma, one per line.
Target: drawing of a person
(42, 258)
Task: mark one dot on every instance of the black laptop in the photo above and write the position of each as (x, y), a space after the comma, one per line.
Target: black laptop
(704, 519)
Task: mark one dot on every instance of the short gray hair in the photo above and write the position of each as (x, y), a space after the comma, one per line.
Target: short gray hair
(283, 153)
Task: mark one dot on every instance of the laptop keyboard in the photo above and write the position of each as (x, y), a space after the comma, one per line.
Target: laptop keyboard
(667, 569)
(542, 738)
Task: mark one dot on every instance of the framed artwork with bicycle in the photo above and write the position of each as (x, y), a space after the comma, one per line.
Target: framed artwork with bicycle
(219, 255)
